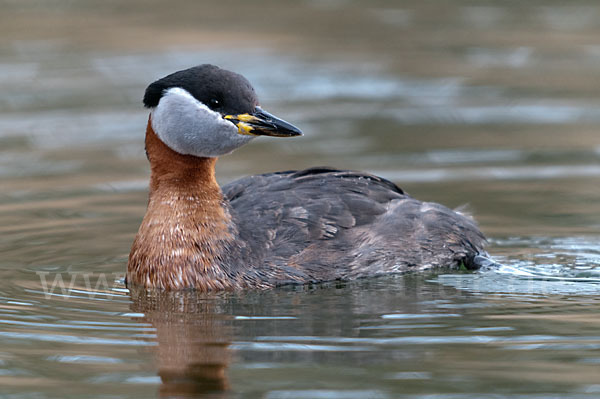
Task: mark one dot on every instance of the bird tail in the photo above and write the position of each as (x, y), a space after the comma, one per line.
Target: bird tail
(482, 261)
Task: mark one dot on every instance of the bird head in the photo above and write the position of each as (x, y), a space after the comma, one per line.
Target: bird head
(207, 111)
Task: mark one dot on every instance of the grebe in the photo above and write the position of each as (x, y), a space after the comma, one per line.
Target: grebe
(313, 225)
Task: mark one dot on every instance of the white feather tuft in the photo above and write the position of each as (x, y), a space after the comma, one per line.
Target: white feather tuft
(189, 127)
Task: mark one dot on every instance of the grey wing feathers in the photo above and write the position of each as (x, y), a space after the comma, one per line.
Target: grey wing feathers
(298, 207)
(284, 180)
(323, 199)
(321, 217)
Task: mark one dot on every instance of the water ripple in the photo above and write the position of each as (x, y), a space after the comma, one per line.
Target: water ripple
(327, 394)
(72, 339)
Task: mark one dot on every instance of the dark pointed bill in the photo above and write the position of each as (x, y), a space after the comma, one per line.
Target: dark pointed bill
(262, 123)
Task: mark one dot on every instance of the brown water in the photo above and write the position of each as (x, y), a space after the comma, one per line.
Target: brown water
(458, 102)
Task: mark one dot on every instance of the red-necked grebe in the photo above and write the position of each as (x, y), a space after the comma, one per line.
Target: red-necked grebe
(262, 231)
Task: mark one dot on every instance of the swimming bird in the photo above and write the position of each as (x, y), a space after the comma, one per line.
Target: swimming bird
(312, 225)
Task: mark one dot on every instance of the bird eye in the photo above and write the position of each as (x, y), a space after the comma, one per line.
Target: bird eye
(214, 103)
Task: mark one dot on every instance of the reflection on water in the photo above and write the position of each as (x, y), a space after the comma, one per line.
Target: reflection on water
(412, 335)
(494, 105)
(193, 341)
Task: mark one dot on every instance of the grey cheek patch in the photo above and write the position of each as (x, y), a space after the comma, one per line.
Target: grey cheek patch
(189, 127)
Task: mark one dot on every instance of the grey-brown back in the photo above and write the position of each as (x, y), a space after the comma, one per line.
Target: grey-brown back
(323, 224)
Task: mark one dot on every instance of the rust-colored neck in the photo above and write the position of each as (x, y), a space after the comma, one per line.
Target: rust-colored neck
(176, 171)
(187, 228)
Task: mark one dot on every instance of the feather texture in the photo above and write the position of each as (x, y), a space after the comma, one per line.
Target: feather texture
(261, 231)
